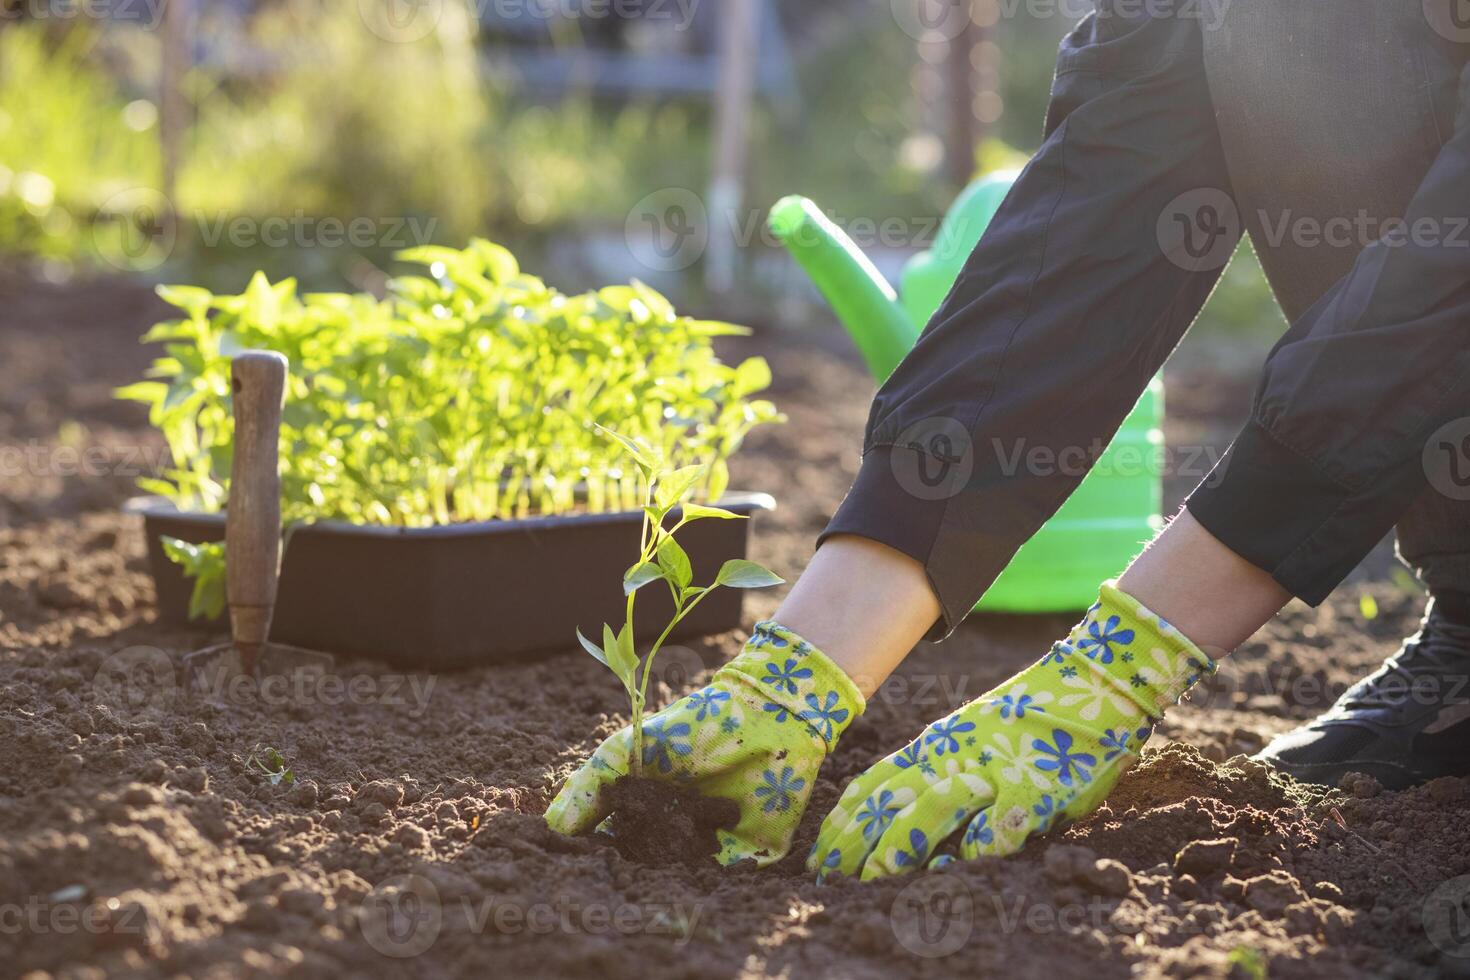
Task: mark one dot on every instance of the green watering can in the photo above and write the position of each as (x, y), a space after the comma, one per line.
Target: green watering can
(1114, 511)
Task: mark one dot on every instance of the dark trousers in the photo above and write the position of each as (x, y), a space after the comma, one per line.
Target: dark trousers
(1335, 132)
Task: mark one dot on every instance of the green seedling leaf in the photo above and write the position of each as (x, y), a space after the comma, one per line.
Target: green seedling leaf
(695, 512)
(640, 575)
(1368, 606)
(719, 480)
(675, 562)
(147, 392)
(627, 653)
(272, 764)
(1249, 962)
(592, 648)
(641, 451)
(620, 656)
(717, 328)
(738, 573)
(753, 374)
(675, 486)
(205, 564)
(191, 299)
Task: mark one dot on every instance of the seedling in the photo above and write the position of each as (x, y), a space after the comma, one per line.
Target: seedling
(468, 394)
(471, 393)
(272, 764)
(205, 564)
(662, 559)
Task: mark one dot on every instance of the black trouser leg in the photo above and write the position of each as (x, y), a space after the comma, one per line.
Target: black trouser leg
(1098, 260)
(1339, 116)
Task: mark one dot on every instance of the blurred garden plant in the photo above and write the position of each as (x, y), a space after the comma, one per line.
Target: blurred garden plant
(473, 392)
(662, 559)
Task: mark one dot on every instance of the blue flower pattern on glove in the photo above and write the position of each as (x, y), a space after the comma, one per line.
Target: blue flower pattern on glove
(1019, 706)
(1098, 644)
(979, 832)
(779, 710)
(823, 717)
(1061, 760)
(662, 742)
(943, 734)
(707, 703)
(918, 849)
(785, 677)
(877, 813)
(909, 755)
(1059, 653)
(779, 790)
(1115, 742)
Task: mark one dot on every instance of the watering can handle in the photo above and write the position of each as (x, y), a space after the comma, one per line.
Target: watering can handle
(253, 518)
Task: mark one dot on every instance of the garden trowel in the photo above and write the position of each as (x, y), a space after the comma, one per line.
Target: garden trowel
(253, 537)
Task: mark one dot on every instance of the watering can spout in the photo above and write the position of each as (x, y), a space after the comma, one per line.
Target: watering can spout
(863, 300)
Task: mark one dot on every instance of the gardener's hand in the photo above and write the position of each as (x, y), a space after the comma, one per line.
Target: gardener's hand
(756, 735)
(1040, 750)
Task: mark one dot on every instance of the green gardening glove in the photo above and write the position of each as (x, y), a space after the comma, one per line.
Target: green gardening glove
(1042, 749)
(756, 735)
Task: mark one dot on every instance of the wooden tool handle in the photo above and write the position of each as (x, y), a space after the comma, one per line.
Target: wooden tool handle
(253, 516)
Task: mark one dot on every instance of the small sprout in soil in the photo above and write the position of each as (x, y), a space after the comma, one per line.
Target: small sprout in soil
(1368, 606)
(662, 558)
(272, 764)
(1249, 961)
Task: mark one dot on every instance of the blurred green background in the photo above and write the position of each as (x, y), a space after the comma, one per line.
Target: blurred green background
(293, 123)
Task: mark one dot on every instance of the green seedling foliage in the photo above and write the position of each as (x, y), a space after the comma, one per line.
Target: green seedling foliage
(205, 564)
(1249, 962)
(472, 392)
(662, 558)
(272, 764)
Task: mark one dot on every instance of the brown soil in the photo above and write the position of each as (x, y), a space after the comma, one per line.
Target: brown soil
(136, 840)
(659, 823)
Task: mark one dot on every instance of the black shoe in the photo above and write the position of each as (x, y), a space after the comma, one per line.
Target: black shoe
(1405, 724)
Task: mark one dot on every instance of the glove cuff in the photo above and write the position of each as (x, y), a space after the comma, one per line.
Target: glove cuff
(790, 677)
(1145, 657)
